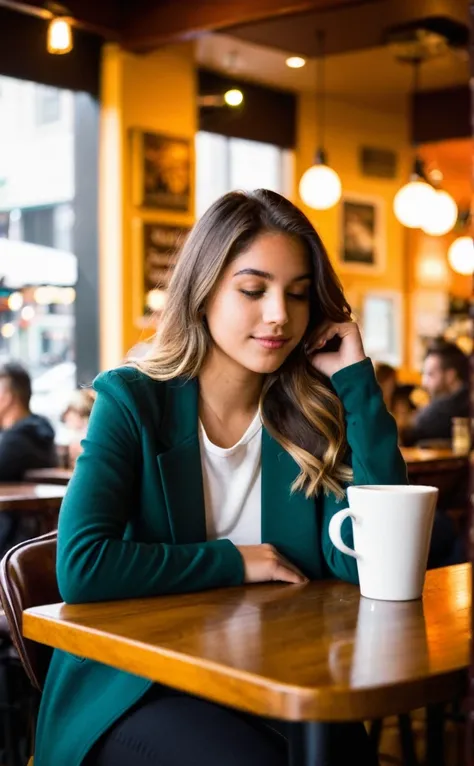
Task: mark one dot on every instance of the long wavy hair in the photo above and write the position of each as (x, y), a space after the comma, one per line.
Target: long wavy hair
(297, 405)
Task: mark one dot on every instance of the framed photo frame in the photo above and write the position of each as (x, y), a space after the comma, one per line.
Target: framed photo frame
(382, 325)
(429, 310)
(156, 246)
(161, 171)
(362, 234)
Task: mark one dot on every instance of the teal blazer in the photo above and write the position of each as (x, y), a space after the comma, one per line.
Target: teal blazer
(132, 525)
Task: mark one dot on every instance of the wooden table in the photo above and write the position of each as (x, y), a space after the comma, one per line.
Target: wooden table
(417, 458)
(31, 497)
(43, 500)
(446, 470)
(317, 652)
(59, 476)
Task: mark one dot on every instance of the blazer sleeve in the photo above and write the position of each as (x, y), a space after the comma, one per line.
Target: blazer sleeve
(94, 561)
(373, 450)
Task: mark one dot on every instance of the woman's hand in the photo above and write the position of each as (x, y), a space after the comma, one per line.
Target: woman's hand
(263, 563)
(350, 351)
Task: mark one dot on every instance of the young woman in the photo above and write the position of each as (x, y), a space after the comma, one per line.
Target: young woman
(218, 460)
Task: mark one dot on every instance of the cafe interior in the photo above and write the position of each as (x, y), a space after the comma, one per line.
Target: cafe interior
(120, 124)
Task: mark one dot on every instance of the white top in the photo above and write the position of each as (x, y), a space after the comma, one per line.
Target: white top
(232, 480)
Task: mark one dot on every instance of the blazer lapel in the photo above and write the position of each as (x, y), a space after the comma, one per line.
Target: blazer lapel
(289, 521)
(180, 463)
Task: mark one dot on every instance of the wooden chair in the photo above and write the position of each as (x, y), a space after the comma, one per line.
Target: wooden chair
(28, 578)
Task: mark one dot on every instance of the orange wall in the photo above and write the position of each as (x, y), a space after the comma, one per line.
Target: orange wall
(155, 92)
(348, 128)
(158, 92)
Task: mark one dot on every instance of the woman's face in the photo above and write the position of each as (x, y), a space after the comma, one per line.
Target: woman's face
(259, 311)
(74, 421)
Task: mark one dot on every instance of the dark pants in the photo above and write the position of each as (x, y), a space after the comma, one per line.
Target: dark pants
(167, 728)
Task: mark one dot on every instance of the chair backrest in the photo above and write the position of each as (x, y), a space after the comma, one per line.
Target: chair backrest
(28, 578)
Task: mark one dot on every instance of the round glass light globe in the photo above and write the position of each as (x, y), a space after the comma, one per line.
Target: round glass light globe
(442, 216)
(461, 255)
(233, 97)
(320, 187)
(412, 203)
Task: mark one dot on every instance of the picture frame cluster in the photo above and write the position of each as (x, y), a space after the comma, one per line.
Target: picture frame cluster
(162, 195)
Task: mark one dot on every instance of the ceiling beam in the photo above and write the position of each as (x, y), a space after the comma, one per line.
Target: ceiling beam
(152, 23)
(350, 28)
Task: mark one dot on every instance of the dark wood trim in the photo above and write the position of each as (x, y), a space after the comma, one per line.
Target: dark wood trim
(23, 55)
(267, 114)
(439, 115)
(351, 27)
(150, 24)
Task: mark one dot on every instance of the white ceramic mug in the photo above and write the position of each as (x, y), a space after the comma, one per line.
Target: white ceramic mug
(392, 527)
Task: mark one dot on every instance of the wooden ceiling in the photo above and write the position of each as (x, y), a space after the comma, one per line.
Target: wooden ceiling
(370, 77)
(142, 25)
(357, 27)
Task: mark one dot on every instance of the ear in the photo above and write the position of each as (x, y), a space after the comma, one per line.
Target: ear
(450, 376)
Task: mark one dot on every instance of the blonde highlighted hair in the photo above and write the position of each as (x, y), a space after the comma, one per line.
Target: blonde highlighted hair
(297, 404)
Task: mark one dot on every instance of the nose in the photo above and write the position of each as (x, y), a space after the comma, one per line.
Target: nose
(275, 310)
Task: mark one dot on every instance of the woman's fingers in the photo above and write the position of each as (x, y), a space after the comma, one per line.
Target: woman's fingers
(327, 331)
(288, 569)
(284, 574)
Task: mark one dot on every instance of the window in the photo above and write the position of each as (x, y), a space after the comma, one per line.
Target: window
(48, 105)
(223, 164)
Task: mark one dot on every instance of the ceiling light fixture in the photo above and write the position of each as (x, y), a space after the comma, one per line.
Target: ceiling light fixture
(233, 97)
(442, 214)
(320, 186)
(413, 202)
(461, 255)
(295, 62)
(59, 36)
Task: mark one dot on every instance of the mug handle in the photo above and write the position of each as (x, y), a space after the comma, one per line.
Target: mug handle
(334, 531)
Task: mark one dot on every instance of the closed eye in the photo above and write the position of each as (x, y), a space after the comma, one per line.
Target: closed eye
(258, 293)
(299, 296)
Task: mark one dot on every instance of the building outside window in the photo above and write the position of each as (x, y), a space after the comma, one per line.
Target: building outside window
(224, 164)
(37, 267)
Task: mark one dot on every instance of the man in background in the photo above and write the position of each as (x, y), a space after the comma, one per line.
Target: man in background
(26, 442)
(445, 378)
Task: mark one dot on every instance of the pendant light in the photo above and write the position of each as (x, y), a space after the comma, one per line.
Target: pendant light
(413, 202)
(461, 255)
(59, 39)
(320, 186)
(442, 215)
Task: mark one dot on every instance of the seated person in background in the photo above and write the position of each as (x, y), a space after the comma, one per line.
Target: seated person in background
(447, 546)
(26, 440)
(76, 418)
(396, 396)
(445, 378)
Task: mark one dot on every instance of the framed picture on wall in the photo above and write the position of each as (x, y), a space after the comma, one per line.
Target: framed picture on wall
(362, 234)
(382, 326)
(155, 250)
(161, 171)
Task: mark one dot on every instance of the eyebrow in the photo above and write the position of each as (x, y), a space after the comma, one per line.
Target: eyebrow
(267, 275)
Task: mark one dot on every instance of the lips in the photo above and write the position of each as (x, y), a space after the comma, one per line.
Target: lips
(272, 342)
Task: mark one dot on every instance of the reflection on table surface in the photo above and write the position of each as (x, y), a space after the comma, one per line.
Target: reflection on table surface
(318, 650)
